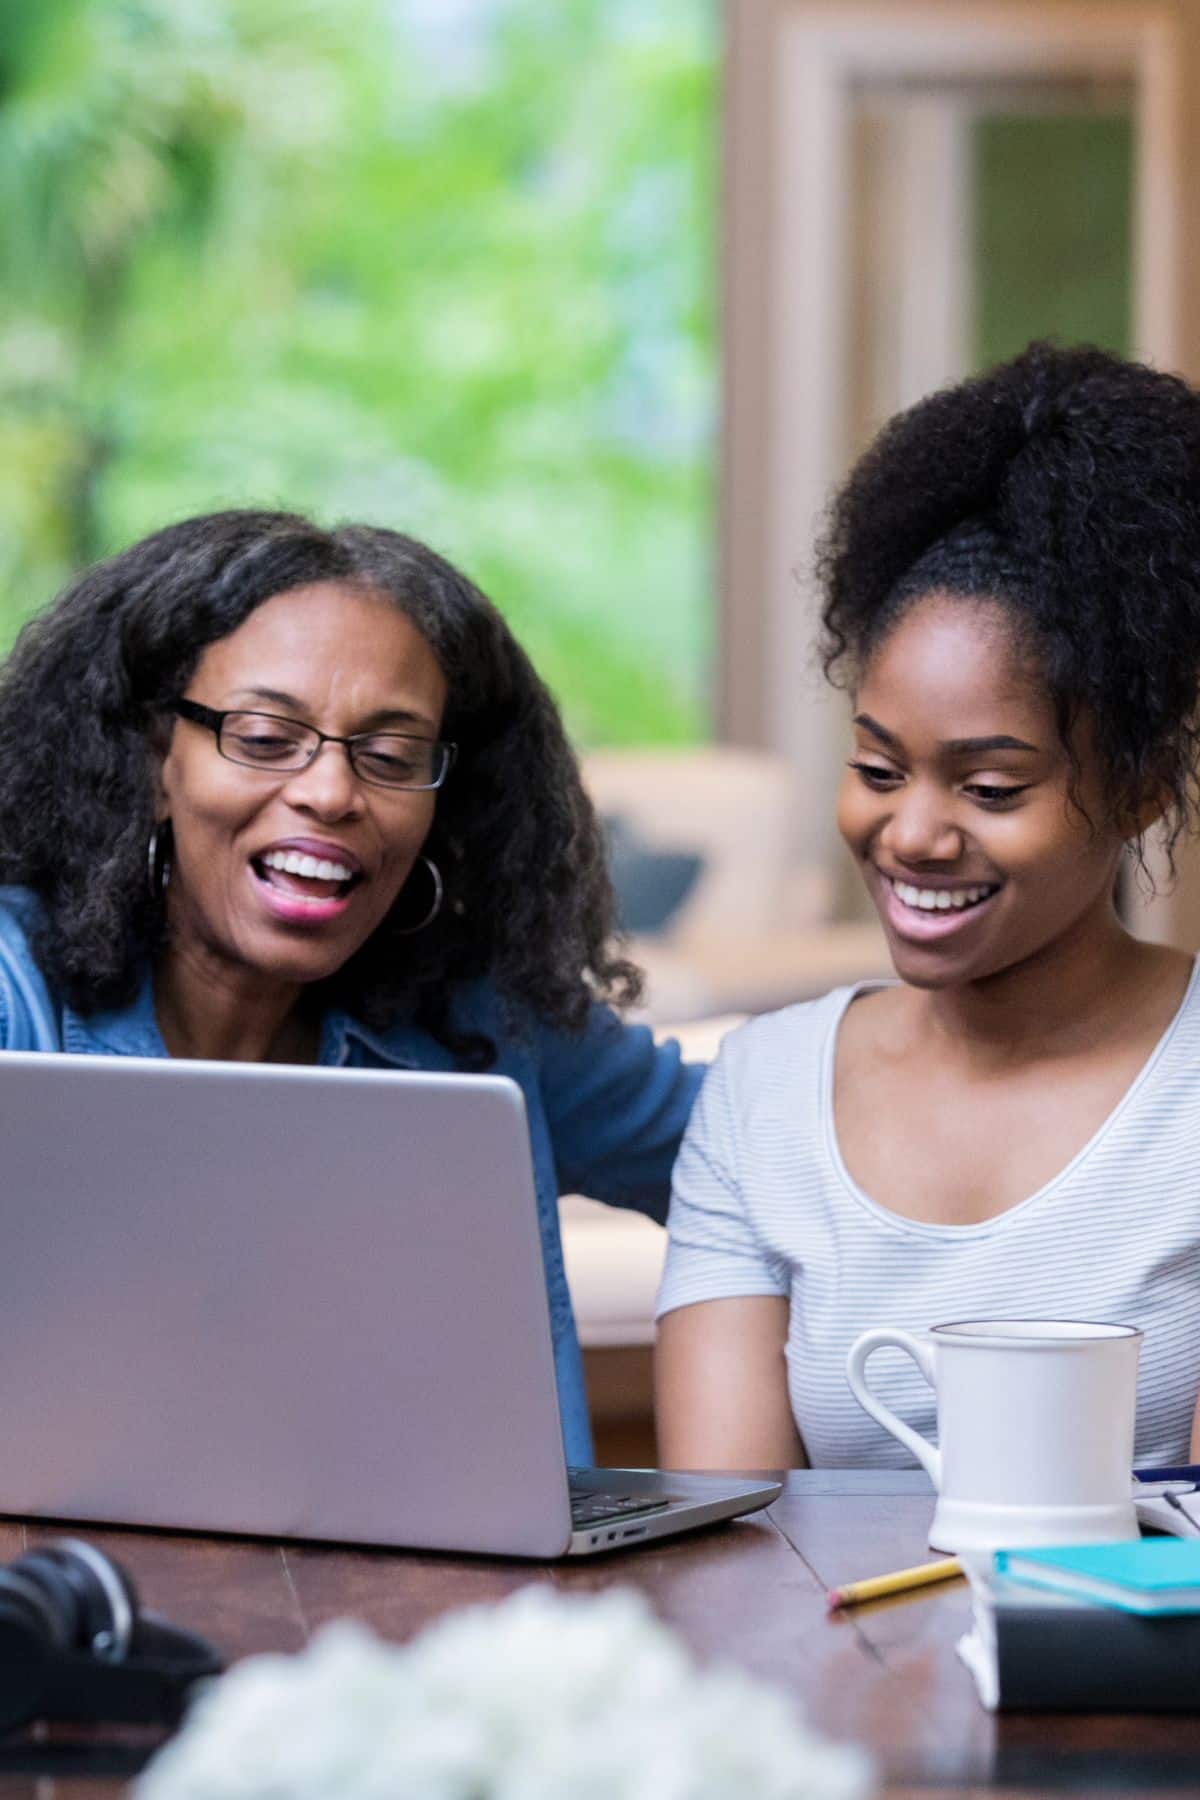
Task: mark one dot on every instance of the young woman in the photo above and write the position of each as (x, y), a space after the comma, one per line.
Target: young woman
(275, 793)
(1013, 598)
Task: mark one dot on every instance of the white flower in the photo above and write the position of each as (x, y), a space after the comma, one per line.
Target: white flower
(538, 1698)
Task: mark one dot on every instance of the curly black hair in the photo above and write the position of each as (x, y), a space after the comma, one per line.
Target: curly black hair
(1066, 485)
(82, 695)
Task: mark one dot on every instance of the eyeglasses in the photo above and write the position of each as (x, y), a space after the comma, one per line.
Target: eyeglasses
(280, 746)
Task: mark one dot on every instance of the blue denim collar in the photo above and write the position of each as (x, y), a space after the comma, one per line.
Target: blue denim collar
(401, 1046)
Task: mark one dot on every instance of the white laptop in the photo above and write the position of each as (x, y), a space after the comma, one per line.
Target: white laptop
(293, 1301)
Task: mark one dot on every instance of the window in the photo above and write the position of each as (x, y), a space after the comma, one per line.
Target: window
(440, 264)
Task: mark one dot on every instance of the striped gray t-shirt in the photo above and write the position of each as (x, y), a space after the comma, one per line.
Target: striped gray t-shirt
(763, 1204)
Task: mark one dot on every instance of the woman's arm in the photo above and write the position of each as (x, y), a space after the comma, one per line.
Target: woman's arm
(721, 1393)
(724, 1306)
(616, 1103)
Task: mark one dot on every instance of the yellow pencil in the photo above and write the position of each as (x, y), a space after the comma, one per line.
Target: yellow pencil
(879, 1585)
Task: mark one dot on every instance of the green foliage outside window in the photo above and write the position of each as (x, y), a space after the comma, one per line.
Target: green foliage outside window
(440, 264)
(1053, 231)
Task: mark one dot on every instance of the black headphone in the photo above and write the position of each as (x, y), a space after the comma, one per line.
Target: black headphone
(75, 1644)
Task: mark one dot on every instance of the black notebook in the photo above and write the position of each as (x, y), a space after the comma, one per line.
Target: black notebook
(1031, 1649)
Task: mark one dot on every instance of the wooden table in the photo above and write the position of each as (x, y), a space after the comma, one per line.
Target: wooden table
(884, 1675)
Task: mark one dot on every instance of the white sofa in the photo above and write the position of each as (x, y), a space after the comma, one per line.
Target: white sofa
(756, 930)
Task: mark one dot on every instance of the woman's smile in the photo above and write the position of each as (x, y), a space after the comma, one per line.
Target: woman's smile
(306, 881)
(922, 911)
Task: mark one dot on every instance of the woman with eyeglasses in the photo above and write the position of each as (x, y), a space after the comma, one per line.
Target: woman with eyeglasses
(275, 793)
(1010, 1128)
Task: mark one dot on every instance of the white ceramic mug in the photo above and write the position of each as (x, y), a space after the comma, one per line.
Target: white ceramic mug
(1035, 1423)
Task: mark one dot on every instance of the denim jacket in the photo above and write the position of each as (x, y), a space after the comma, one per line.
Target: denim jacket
(606, 1106)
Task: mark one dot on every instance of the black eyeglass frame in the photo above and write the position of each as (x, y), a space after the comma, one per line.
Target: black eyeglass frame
(214, 721)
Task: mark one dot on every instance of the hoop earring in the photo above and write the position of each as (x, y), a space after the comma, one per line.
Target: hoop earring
(158, 860)
(439, 894)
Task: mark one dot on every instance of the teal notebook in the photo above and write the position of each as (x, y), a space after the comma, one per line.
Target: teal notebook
(1146, 1575)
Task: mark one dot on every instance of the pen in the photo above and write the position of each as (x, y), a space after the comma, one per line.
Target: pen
(878, 1585)
(1173, 1499)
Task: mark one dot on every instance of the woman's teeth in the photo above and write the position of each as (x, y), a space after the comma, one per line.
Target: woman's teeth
(291, 862)
(940, 899)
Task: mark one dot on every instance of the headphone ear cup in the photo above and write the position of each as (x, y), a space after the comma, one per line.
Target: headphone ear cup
(28, 1618)
(103, 1596)
(42, 1571)
(30, 1634)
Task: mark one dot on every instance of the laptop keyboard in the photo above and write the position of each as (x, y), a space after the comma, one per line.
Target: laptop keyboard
(591, 1506)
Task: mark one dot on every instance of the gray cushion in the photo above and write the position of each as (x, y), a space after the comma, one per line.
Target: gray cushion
(651, 885)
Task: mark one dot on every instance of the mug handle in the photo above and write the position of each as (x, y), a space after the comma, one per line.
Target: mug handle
(856, 1373)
